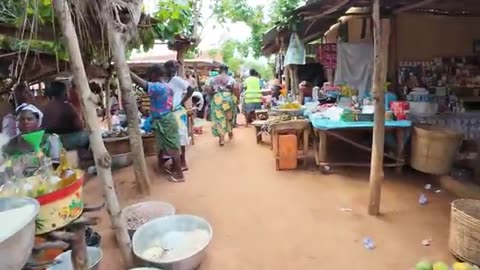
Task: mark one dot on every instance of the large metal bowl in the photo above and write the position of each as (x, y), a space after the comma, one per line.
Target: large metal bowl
(140, 213)
(152, 234)
(16, 248)
(64, 260)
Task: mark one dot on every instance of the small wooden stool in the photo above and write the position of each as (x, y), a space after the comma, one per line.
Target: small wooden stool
(258, 124)
(300, 128)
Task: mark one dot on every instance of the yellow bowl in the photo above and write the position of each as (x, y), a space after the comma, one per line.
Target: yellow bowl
(59, 208)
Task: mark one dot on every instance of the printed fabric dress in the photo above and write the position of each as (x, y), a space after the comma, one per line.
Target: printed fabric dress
(223, 106)
(164, 124)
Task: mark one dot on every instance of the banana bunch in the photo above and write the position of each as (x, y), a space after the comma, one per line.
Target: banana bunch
(347, 91)
(290, 106)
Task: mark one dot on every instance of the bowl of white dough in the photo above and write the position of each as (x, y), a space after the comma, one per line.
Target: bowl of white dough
(17, 231)
(177, 242)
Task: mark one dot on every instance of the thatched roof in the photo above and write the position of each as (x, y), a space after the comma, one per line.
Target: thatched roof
(39, 65)
(90, 18)
(319, 15)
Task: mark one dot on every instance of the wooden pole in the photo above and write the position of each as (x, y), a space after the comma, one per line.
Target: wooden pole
(107, 101)
(126, 87)
(181, 51)
(288, 79)
(381, 38)
(103, 161)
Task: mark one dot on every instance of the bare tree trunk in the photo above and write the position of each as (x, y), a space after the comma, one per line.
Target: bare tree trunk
(381, 38)
(180, 59)
(103, 160)
(126, 87)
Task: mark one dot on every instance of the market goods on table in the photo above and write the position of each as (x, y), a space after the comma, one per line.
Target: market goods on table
(59, 192)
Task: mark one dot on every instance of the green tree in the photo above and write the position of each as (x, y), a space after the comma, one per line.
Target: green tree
(282, 13)
(212, 53)
(240, 11)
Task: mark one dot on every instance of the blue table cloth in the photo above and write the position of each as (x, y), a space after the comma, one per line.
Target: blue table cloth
(325, 124)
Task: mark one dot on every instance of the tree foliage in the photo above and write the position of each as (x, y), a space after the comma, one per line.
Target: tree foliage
(282, 14)
(240, 11)
(236, 59)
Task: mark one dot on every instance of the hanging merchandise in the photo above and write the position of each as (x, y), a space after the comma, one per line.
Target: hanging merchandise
(327, 55)
(355, 66)
(295, 54)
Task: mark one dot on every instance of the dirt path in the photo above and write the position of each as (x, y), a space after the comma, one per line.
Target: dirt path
(266, 220)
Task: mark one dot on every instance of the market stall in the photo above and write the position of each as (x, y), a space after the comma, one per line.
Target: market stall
(325, 128)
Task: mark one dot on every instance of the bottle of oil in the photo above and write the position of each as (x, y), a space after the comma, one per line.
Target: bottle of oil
(65, 172)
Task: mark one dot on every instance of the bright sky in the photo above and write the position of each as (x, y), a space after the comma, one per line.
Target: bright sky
(214, 34)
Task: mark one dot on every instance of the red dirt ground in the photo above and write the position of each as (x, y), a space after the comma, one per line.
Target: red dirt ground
(264, 219)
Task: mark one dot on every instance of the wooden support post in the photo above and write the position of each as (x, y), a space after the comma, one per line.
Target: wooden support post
(288, 78)
(181, 51)
(295, 82)
(126, 87)
(306, 137)
(103, 160)
(381, 38)
(79, 256)
(107, 101)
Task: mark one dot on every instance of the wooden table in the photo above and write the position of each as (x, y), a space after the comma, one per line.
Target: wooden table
(301, 128)
(321, 142)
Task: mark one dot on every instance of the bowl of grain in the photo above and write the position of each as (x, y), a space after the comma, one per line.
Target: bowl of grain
(138, 214)
(177, 242)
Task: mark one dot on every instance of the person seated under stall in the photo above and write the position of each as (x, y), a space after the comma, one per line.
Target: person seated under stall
(29, 120)
(23, 95)
(63, 119)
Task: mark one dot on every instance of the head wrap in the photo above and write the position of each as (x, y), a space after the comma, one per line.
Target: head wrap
(32, 108)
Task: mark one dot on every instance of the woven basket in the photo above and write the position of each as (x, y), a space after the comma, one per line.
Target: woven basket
(464, 240)
(434, 149)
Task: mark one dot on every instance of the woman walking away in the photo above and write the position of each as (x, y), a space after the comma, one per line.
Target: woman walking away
(223, 106)
(182, 91)
(253, 96)
(163, 121)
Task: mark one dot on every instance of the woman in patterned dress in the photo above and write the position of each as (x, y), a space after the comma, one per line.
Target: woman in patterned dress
(223, 105)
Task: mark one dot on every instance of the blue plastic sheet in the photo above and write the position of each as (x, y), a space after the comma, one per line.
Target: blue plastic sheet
(325, 124)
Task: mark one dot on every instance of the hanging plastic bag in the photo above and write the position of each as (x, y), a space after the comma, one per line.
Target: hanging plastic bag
(295, 54)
